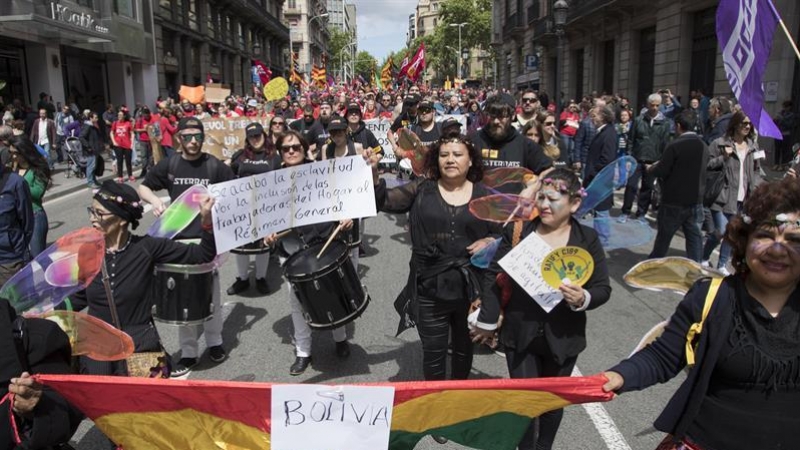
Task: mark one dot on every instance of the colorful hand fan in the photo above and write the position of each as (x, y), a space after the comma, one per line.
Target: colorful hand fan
(503, 175)
(91, 336)
(64, 268)
(672, 273)
(604, 184)
(483, 258)
(180, 213)
(503, 208)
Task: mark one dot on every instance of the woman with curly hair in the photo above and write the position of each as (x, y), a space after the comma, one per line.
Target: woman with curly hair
(444, 234)
(743, 388)
(34, 169)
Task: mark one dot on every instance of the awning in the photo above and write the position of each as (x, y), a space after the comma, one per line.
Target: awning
(44, 29)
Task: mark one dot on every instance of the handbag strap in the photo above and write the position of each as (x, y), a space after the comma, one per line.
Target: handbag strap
(697, 327)
(112, 306)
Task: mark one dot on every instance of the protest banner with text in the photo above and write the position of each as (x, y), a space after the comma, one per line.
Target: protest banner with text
(380, 128)
(251, 208)
(225, 135)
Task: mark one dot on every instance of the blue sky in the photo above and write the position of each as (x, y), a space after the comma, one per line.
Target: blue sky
(382, 25)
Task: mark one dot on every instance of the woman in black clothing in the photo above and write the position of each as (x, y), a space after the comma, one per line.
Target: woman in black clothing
(258, 156)
(129, 261)
(538, 343)
(293, 149)
(743, 390)
(442, 283)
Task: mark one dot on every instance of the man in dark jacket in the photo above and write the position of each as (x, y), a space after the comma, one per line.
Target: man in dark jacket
(501, 145)
(43, 418)
(93, 144)
(648, 137)
(682, 170)
(358, 131)
(16, 223)
(719, 113)
(602, 152)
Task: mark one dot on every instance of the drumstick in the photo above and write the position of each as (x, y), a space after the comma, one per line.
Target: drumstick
(330, 239)
(511, 216)
(283, 233)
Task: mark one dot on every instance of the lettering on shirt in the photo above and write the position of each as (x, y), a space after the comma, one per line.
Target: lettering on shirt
(189, 181)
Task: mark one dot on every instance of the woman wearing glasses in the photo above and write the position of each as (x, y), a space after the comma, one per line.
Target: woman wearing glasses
(258, 156)
(550, 141)
(738, 155)
(293, 149)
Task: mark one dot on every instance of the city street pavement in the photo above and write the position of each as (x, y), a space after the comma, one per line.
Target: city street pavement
(257, 336)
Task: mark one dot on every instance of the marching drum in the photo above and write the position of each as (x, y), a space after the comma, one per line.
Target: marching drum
(182, 293)
(328, 288)
(354, 235)
(253, 248)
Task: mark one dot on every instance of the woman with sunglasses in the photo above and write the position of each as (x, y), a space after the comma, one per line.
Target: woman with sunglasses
(258, 156)
(444, 234)
(551, 142)
(34, 169)
(540, 343)
(738, 155)
(741, 390)
(293, 149)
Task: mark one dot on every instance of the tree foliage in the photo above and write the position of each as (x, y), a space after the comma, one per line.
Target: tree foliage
(365, 64)
(337, 47)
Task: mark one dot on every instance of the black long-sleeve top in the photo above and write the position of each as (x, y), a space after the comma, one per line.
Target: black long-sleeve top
(440, 233)
(130, 272)
(563, 328)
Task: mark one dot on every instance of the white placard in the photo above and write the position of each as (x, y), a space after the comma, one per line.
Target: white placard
(248, 209)
(524, 265)
(320, 417)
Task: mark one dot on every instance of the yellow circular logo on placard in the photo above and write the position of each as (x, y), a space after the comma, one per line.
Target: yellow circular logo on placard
(276, 89)
(573, 263)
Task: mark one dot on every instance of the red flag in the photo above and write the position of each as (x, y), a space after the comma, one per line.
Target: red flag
(263, 72)
(403, 68)
(417, 64)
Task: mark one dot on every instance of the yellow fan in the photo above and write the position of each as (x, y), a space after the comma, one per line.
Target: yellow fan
(276, 89)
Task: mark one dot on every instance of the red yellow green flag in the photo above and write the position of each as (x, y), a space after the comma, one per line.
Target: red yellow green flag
(141, 414)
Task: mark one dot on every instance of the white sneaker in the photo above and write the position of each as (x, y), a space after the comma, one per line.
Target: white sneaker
(724, 271)
(706, 263)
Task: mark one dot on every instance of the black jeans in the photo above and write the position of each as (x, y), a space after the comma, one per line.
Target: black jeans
(632, 188)
(533, 362)
(123, 155)
(439, 320)
(670, 219)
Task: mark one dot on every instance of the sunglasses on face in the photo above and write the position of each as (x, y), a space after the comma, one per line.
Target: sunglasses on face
(529, 100)
(425, 110)
(278, 123)
(747, 124)
(549, 123)
(189, 137)
(292, 148)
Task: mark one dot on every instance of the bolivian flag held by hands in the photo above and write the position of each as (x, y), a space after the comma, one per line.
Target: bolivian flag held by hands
(141, 414)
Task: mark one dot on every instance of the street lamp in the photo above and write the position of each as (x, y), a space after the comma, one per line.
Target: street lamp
(341, 61)
(560, 9)
(318, 17)
(459, 25)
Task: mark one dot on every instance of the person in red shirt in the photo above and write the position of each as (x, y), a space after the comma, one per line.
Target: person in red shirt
(144, 149)
(122, 140)
(570, 122)
(168, 129)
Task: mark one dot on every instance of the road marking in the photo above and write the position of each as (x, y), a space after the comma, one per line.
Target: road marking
(603, 422)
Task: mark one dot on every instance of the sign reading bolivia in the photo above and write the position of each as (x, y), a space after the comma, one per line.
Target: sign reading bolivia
(143, 414)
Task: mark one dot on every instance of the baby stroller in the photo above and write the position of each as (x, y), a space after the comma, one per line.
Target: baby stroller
(76, 158)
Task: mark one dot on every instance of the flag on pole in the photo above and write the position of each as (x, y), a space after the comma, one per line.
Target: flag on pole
(417, 64)
(148, 413)
(744, 32)
(403, 68)
(387, 73)
(295, 77)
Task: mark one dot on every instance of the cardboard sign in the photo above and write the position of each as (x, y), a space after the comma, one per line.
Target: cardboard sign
(224, 136)
(380, 128)
(216, 93)
(319, 417)
(524, 264)
(251, 208)
(194, 94)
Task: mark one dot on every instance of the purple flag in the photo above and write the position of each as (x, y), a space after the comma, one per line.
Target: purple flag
(744, 32)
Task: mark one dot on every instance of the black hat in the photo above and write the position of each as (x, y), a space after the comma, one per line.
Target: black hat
(190, 122)
(336, 124)
(450, 122)
(254, 129)
(354, 107)
(501, 99)
(411, 99)
(121, 200)
(425, 104)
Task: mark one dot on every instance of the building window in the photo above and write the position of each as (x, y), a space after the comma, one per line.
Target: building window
(193, 15)
(292, 4)
(165, 7)
(241, 36)
(211, 22)
(125, 8)
(86, 3)
(435, 6)
(227, 31)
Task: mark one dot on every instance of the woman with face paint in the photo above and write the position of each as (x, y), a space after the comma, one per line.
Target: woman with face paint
(743, 388)
(540, 343)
